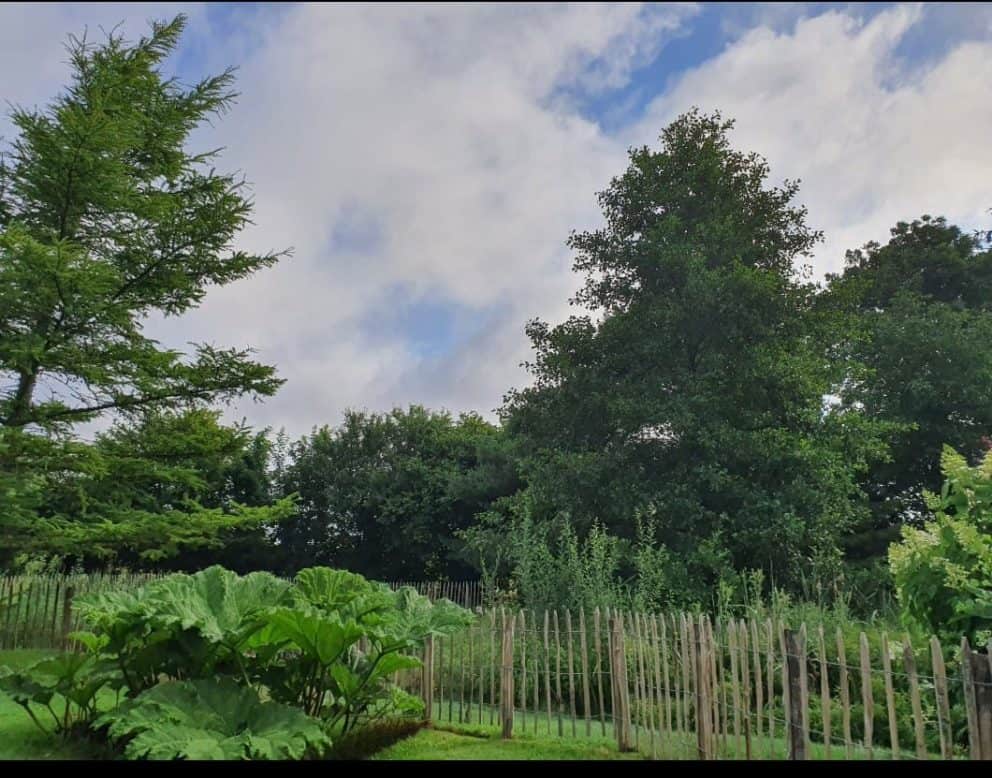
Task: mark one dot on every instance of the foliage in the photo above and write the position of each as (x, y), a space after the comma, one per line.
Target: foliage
(386, 494)
(697, 394)
(216, 665)
(212, 719)
(943, 570)
(70, 680)
(916, 348)
(181, 626)
(105, 219)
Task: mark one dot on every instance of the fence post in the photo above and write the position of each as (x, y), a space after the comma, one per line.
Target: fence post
(797, 738)
(700, 663)
(618, 679)
(978, 700)
(70, 592)
(506, 679)
(427, 679)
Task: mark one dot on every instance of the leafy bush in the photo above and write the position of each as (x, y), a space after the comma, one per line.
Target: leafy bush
(216, 665)
(943, 571)
(209, 719)
(65, 686)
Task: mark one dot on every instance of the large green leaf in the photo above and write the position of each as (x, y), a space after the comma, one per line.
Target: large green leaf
(324, 637)
(339, 591)
(218, 604)
(215, 719)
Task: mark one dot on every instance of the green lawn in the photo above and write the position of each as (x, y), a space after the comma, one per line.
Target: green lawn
(540, 731)
(20, 737)
(439, 744)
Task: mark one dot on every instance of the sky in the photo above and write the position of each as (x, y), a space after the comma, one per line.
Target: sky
(427, 162)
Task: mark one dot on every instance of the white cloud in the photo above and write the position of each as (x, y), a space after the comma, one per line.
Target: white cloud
(437, 125)
(435, 149)
(832, 104)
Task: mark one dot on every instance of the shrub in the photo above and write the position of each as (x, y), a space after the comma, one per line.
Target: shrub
(943, 571)
(219, 666)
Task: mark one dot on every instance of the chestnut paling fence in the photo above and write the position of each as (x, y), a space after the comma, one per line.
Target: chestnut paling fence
(670, 685)
(683, 686)
(36, 610)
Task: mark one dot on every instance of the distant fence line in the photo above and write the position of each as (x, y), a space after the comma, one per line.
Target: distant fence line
(36, 610)
(681, 686)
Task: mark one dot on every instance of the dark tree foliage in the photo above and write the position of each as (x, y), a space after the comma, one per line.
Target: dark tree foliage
(697, 393)
(107, 218)
(385, 494)
(919, 350)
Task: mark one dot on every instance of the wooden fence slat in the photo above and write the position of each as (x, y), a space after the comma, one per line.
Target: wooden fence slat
(845, 693)
(677, 680)
(559, 698)
(663, 646)
(867, 701)
(599, 669)
(584, 649)
(506, 679)
(428, 679)
(451, 677)
(909, 662)
(43, 620)
(7, 602)
(656, 704)
(731, 632)
(53, 631)
(70, 593)
(786, 691)
(770, 677)
(706, 676)
(461, 686)
(793, 658)
(684, 640)
(523, 668)
(968, 688)
(482, 674)
(571, 670)
(824, 690)
(721, 684)
(440, 677)
(471, 671)
(621, 682)
(981, 670)
(746, 680)
(492, 666)
(547, 668)
(890, 697)
(638, 717)
(758, 691)
(537, 669)
(943, 705)
(700, 665)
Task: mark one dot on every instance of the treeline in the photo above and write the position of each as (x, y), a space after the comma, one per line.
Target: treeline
(711, 409)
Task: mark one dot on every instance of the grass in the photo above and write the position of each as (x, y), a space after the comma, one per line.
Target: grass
(462, 744)
(20, 738)
(538, 733)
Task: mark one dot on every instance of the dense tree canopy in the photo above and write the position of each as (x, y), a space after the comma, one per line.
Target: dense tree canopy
(385, 494)
(699, 392)
(106, 218)
(919, 355)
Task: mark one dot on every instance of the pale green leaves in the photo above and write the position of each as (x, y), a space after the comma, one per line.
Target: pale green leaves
(212, 720)
(943, 571)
